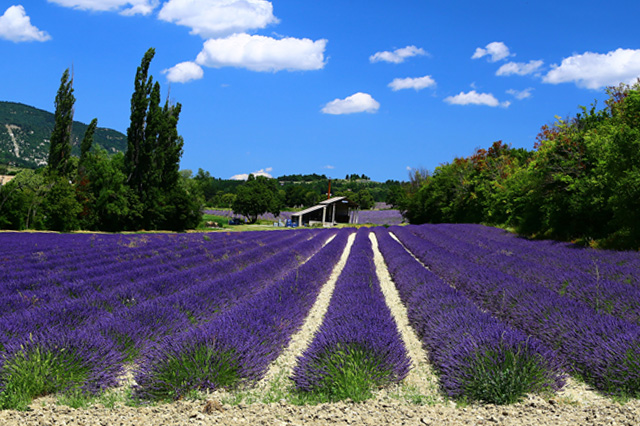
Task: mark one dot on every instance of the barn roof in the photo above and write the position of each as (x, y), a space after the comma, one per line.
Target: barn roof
(325, 203)
(309, 210)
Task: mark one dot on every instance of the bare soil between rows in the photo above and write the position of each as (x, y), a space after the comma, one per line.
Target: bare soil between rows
(382, 410)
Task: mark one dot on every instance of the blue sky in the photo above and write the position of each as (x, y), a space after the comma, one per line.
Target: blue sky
(334, 87)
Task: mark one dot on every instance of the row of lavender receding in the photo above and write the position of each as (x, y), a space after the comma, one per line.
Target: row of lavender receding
(238, 345)
(598, 348)
(477, 356)
(358, 345)
(606, 287)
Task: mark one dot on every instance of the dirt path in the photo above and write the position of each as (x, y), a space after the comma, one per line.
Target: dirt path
(421, 376)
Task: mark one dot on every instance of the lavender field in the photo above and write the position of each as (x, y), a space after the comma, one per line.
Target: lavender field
(498, 316)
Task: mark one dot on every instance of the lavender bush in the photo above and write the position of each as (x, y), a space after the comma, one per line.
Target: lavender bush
(56, 361)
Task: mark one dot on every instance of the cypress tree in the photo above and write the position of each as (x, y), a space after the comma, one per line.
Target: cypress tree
(60, 149)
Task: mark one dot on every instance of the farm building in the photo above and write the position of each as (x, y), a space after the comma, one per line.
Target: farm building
(328, 213)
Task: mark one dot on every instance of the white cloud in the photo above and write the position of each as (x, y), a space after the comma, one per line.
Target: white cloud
(259, 53)
(184, 72)
(218, 18)
(519, 68)
(261, 172)
(16, 26)
(520, 94)
(398, 55)
(596, 70)
(358, 102)
(142, 7)
(329, 167)
(497, 51)
(475, 98)
(418, 83)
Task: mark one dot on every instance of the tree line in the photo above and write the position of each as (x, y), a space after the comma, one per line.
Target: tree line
(291, 191)
(581, 182)
(140, 189)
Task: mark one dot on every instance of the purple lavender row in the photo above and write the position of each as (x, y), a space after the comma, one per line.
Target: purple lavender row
(83, 259)
(195, 296)
(33, 292)
(179, 259)
(604, 296)
(618, 266)
(246, 338)
(136, 327)
(65, 312)
(477, 356)
(153, 279)
(357, 331)
(112, 255)
(47, 251)
(604, 351)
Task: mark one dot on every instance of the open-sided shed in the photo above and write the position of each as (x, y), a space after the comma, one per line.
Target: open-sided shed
(328, 213)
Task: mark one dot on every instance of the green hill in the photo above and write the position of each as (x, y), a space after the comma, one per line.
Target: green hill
(25, 133)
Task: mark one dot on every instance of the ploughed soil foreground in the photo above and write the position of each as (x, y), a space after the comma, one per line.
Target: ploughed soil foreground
(383, 410)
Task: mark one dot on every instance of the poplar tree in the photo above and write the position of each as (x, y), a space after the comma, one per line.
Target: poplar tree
(60, 149)
(135, 162)
(87, 140)
(153, 155)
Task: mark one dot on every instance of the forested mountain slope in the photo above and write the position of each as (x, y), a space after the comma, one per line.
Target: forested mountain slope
(25, 133)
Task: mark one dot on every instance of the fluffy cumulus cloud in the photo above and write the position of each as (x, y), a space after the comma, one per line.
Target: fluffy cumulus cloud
(412, 83)
(15, 25)
(219, 18)
(597, 70)
(496, 51)
(259, 53)
(358, 102)
(125, 7)
(261, 172)
(475, 98)
(520, 94)
(519, 68)
(398, 55)
(184, 72)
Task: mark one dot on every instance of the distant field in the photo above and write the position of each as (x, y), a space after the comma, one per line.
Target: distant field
(374, 217)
